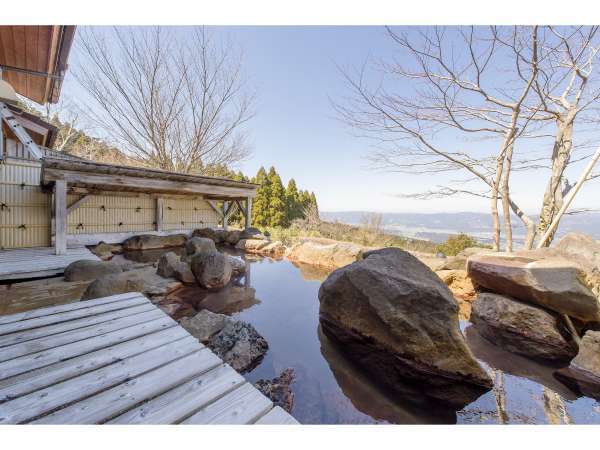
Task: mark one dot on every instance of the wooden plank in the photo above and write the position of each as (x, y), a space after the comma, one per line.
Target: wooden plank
(277, 416)
(16, 386)
(44, 312)
(80, 325)
(29, 362)
(77, 203)
(148, 313)
(241, 406)
(121, 398)
(184, 400)
(60, 216)
(70, 315)
(47, 400)
(30, 262)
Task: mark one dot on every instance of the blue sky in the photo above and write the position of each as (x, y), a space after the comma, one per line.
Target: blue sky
(294, 71)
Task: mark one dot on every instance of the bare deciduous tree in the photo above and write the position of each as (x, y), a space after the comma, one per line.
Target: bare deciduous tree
(464, 97)
(454, 95)
(566, 91)
(178, 103)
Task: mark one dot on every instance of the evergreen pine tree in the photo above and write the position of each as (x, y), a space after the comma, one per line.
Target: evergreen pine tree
(277, 200)
(260, 206)
(292, 201)
(313, 201)
(304, 201)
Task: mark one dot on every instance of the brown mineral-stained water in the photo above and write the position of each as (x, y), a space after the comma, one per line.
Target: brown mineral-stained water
(281, 300)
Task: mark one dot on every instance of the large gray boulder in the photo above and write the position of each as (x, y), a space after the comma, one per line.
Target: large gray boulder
(106, 251)
(274, 249)
(216, 235)
(85, 269)
(170, 265)
(253, 233)
(588, 359)
(522, 328)
(239, 345)
(583, 374)
(199, 245)
(151, 241)
(146, 281)
(233, 237)
(205, 324)
(553, 282)
(238, 266)
(325, 252)
(398, 320)
(212, 270)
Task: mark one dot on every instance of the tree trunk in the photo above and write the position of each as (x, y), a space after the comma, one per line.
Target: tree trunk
(494, 203)
(506, 198)
(561, 154)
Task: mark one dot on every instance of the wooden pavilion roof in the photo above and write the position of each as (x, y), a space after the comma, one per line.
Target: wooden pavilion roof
(34, 59)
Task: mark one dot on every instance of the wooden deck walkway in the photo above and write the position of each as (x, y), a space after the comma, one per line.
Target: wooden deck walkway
(118, 360)
(36, 262)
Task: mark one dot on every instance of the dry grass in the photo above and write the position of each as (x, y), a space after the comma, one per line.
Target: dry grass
(370, 234)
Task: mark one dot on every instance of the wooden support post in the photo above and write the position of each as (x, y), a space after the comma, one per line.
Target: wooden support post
(248, 213)
(225, 211)
(159, 214)
(1, 139)
(60, 217)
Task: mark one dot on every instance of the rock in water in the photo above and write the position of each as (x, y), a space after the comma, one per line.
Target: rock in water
(398, 320)
(521, 328)
(106, 251)
(85, 269)
(151, 241)
(552, 282)
(205, 325)
(239, 345)
(146, 281)
(171, 266)
(583, 374)
(218, 236)
(199, 245)
(326, 252)
(253, 233)
(212, 271)
(278, 389)
(233, 237)
(238, 266)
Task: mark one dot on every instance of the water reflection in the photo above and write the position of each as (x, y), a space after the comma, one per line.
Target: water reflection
(500, 359)
(374, 401)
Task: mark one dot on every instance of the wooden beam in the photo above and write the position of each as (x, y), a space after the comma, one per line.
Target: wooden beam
(109, 182)
(77, 203)
(20, 132)
(248, 213)
(159, 213)
(60, 217)
(214, 207)
(240, 206)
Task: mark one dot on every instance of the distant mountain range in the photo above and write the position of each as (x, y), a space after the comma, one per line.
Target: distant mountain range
(437, 227)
